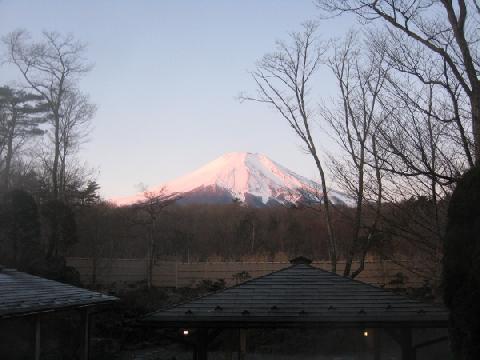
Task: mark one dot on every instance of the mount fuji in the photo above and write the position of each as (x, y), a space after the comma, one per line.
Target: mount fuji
(253, 179)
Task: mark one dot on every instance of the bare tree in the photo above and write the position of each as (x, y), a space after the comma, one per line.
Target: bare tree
(360, 76)
(149, 210)
(426, 87)
(424, 143)
(76, 116)
(447, 30)
(420, 159)
(50, 67)
(431, 96)
(283, 81)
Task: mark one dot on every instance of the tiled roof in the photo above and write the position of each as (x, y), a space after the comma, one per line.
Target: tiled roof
(22, 294)
(301, 295)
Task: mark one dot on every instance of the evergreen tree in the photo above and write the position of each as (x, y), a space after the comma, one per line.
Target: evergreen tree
(22, 113)
(461, 273)
(89, 195)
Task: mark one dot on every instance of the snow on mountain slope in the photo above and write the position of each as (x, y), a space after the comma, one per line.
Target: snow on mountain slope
(251, 178)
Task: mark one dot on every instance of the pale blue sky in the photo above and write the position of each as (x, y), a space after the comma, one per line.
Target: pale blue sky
(166, 78)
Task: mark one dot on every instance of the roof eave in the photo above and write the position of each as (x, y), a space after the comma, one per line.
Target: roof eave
(44, 310)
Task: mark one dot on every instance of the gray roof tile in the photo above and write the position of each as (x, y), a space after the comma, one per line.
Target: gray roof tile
(22, 293)
(301, 295)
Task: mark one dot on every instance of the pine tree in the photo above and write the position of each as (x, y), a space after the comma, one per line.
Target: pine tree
(22, 114)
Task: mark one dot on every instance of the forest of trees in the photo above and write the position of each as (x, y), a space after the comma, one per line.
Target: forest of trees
(234, 232)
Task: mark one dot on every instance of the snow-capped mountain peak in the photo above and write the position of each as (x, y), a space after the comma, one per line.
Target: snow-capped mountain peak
(249, 177)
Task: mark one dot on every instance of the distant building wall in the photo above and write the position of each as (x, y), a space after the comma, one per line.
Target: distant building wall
(122, 272)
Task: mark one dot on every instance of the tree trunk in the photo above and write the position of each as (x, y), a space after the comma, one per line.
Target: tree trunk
(326, 204)
(8, 158)
(56, 157)
(151, 255)
(358, 214)
(62, 174)
(253, 238)
(378, 207)
(95, 258)
(475, 105)
(457, 23)
(54, 235)
(9, 155)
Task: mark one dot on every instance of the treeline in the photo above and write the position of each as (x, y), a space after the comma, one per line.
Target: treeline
(235, 232)
(201, 232)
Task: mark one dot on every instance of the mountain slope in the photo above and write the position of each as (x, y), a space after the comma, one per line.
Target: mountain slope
(250, 178)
